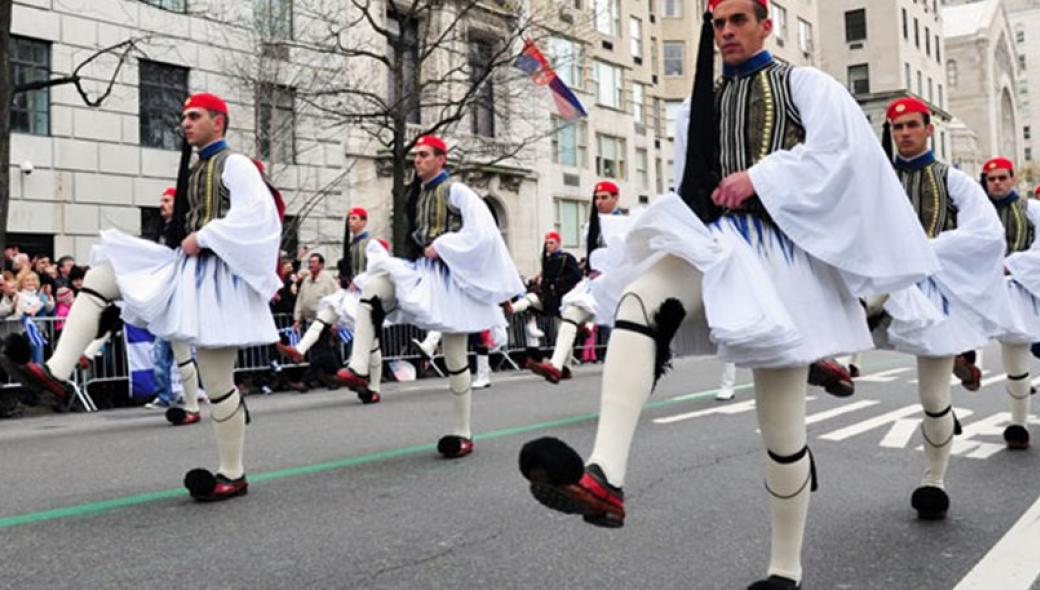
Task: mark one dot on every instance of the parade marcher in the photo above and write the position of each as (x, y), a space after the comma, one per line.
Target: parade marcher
(211, 292)
(559, 274)
(966, 294)
(354, 249)
(1020, 218)
(799, 191)
(340, 309)
(457, 272)
(586, 301)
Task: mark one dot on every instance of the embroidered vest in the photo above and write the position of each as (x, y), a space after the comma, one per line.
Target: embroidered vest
(358, 259)
(208, 198)
(929, 194)
(435, 215)
(756, 118)
(1018, 230)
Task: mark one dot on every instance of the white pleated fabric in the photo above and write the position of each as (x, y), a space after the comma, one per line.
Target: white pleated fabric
(1023, 286)
(344, 303)
(216, 300)
(588, 294)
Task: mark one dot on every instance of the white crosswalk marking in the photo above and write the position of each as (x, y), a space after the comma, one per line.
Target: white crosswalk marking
(867, 425)
(833, 412)
(883, 376)
(1011, 564)
(737, 408)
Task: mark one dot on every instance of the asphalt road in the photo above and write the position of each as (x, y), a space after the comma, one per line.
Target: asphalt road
(350, 496)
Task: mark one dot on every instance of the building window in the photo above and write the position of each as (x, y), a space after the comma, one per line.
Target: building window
(951, 73)
(569, 143)
(942, 103)
(171, 5)
(1021, 61)
(1029, 154)
(931, 88)
(779, 16)
(405, 31)
(610, 156)
(917, 33)
(607, 16)
(805, 38)
(906, 27)
(928, 41)
(659, 176)
(642, 173)
(920, 84)
(1027, 133)
(567, 59)
(639, 102)
(1020, 35)
(673, 58)
(855, 25)
(609, 86)
(635, 37)
(30, 62)
(673, 8)
(274, 19)
(859, 79)
(906, 76)
(161, 93)
(942, 144)
(569, 216)
(275, 123)
(482, 111)
(655, 62)
(938, 52)
(151, 223)
(671, 112)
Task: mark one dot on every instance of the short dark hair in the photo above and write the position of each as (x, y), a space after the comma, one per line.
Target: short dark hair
(761, 12)
(320, 258)
(227, 120)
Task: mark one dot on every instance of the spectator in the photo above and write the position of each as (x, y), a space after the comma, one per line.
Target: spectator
(76, 278)
(65, 266)
(21, 265)
(9, 254)
(317, 285)
(9, 299)
(41, 266)
(63, 303)
(31, 301)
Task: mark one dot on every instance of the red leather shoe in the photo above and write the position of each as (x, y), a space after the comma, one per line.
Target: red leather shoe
(182, 417)
(454, 446)
(832, 377)
(289, 352)
(205, 487)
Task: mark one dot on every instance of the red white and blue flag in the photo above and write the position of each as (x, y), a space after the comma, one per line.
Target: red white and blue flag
(534, 63)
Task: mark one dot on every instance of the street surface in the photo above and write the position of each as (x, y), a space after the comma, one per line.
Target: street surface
(350, 496)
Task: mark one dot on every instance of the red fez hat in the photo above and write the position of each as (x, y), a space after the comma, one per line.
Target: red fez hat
(432, 141)
(905, 106)
(359, 212)
(170, 191)
(713, 3)
(996, 163)
(605, 185)
(205, 100)
(1037, 190)
(553, 236)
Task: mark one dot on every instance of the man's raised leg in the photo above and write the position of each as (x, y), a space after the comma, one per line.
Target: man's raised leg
(188, 368)
(377, 299)
(557, 367)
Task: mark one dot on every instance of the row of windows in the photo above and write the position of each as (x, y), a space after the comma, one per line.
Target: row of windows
(858, 77)
(856, 32)
(162, 89)
(606, 14)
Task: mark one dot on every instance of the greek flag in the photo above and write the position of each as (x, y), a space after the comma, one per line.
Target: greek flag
(141, 364)
(345, 335)
(36, 338)
(291, 335)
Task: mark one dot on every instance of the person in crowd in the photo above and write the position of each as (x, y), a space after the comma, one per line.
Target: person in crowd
(65, 265)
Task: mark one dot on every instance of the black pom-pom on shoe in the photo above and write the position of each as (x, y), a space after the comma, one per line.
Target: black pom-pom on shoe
(930, 502)
(200, 482)
(775, 583)
(550, 460)
(1016, 437)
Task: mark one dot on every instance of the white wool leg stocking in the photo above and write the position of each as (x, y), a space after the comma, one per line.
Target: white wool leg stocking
(189, 375)
(216, 367)
(565, 335)
(780, 402)
(326, 317)
(364, 330)
(1016, 365)
(933, 386)
(628, 374)
(81, 327)
(459, 381)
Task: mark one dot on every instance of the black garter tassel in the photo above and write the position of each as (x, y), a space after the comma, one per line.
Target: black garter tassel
(667, 319)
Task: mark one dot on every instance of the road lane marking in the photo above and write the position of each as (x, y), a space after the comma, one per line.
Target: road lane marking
(883, 376)
(1012, 563)
(833, 412)
(867, 425)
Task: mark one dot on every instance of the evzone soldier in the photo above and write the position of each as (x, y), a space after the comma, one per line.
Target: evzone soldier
(457, 273)
(582, 304)
(210, 292)
(341, 307)
(1020, 218)
(966, 295)
(799, 190)
(559, 274)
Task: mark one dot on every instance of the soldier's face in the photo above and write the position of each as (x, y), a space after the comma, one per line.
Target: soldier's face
(739, 34)
(201, 128)
(357, 224)
(166, 207)
(999, 183)
(551, 245)
(606, 202)
(911, 134)
(428, 163)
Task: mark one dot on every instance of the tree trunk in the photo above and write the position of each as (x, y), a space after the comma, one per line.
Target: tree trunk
(399, 213)
(5, 117)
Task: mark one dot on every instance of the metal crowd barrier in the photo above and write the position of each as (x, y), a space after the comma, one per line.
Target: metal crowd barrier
(111, 364)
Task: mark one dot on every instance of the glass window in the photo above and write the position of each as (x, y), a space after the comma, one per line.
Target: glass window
(673, 57)
(859, 79)
(855, 25)
(1027, 132)
(673, 8)
(610, 156)
(568, 142)
(482, 110)
(274, 18)
(655, 63)
(671, 110)
(779, 16)
(642, 174)
(608, 82)
(172, 5)
(928, 41)
(906, 76)
(162, 91)
(906, 26)
(635, 36)
(951, 73)
(920, 84)
(569, 216)
(567, 59)
(938, 56)
(917, 33)
(276, 123)
(639, 102)
(805, 37)
(607, 14)
(941, 103)
(30, 62)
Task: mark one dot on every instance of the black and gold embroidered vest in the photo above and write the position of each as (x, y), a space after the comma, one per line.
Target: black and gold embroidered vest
(929, 194)
(434, 214)
(756, 118)
(208, 198)
(1018, 230)
(358, 258)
